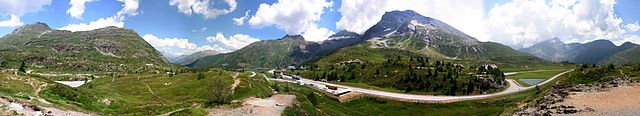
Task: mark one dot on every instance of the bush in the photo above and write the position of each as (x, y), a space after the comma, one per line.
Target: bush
(22, 67)
(220, 91)
(200, 76)
(312, 98)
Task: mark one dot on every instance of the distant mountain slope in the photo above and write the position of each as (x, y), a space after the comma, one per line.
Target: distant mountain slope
(289, 50)
(553, 50)
(106, 49)
(186, 60)
(595, 52)
(631, 55)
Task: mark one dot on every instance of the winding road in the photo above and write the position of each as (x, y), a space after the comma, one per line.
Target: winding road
(513, 88)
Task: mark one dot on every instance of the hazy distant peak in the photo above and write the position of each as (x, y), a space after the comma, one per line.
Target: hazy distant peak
(343, 35)
(555, 40)
(601, 43)
(628, 44)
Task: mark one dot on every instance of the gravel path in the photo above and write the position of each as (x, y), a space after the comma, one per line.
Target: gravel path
(618, 101)
(236, 82)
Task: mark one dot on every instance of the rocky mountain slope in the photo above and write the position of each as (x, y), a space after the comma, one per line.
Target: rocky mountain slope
(595, 52)
(411, 31)
(108, 49)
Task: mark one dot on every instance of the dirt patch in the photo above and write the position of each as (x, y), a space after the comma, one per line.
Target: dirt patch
(616, 96)
(273, 106)
(236, 82)
(619, 101)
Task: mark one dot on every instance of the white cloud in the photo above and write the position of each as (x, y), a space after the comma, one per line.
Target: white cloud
(168, 42)
(292, 16)
(632, 27)
(521, 23)
(465, 15)
(207, 47)
(231, 43)
(176, 47)
(203, 7)
(11, 22)
(316, 34)
(240, 20)
(77, 8)
(21, 7)
(129, 8)
(628, 38)
(100, 23)
(199, 30)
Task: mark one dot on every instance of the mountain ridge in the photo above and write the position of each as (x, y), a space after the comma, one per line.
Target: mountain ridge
(404, 30)
(594, 52)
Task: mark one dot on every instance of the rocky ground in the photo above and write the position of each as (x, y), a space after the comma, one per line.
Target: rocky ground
(610, 97)
(14, 107)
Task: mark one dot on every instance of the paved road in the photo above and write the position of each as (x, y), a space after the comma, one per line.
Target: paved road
(513, 88)
(252, 74)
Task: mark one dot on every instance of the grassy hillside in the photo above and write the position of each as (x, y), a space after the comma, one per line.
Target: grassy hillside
(267, 54)
(631, 55)
(107, 49)
(149, 94)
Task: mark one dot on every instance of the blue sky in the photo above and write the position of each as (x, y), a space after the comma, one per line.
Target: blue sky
(175, 31)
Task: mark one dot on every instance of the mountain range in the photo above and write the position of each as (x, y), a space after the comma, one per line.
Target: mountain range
(289, 50)
(108, 49)
(595, 52)
(398, 31)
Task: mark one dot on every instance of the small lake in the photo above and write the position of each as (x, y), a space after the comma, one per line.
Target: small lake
(532, 81)
(73, 83)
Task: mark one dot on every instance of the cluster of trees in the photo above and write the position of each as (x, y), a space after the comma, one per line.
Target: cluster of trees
(2, 64)
(22, 67)
(587, 73)
(411, 74)
(493, 72)
(447, 78)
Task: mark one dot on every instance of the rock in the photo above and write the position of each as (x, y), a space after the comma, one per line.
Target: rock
(105, 101)
(589, 109)
(569, 111)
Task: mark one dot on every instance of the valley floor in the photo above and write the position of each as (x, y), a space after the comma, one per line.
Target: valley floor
(513, 88)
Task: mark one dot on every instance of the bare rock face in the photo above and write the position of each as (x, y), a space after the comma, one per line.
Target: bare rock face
(548, 104)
